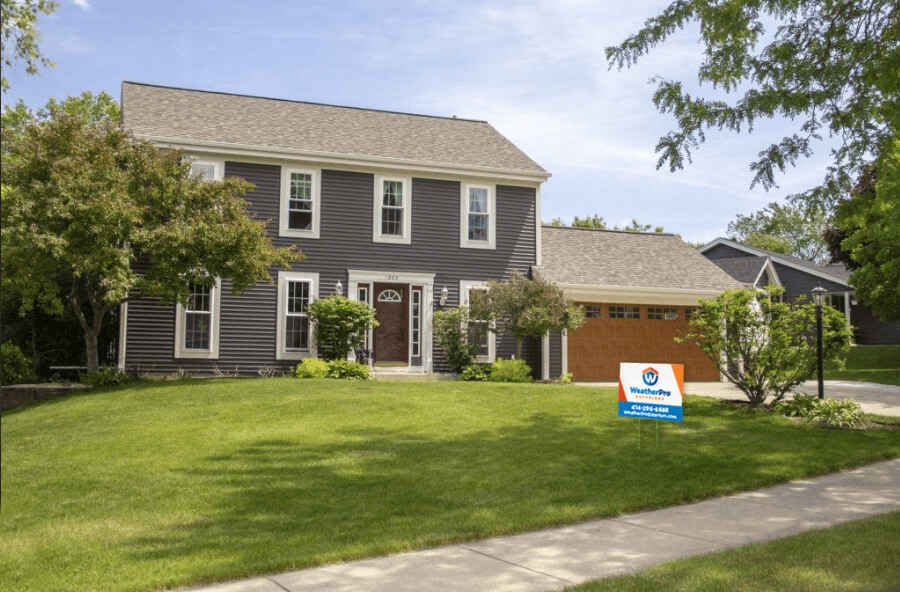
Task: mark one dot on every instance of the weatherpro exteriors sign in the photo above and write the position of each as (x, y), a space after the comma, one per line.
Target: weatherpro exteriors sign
(651, 391)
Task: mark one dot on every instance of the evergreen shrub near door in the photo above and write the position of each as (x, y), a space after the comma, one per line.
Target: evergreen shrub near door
(340, 325)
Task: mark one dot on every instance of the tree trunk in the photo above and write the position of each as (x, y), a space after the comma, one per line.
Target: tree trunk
(518, 347)
(91, 330)
(93, 356)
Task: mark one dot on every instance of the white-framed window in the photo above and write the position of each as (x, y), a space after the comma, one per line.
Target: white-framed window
(478, 217)
(415, 313)
(487, 347)
(208, 170)
(392, 212)
(197, 323)
(296, 291)
(301, 202)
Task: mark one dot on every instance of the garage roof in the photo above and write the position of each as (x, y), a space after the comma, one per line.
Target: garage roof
(609, 258)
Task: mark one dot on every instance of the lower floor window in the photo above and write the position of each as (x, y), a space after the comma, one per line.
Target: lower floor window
(198, 318)
(297, 321)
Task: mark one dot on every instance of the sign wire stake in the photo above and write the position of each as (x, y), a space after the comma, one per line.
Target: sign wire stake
(639, 433)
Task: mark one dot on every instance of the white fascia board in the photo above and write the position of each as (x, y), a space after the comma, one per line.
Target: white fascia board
(774, 258)
(343, 159)
(771, 269)
(628, 295)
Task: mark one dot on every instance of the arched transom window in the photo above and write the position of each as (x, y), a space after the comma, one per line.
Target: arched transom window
(389, 295)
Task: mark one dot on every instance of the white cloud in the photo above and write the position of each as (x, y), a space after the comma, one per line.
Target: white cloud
(82, 4)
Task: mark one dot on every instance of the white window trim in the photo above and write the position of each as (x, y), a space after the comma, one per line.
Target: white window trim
(283, 277)
(464, 241)
(466, 286)
(213, 352)
(283, 218)
(406, 237)
(218, 167)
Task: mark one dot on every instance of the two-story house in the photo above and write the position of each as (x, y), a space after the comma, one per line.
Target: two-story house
(408, 213)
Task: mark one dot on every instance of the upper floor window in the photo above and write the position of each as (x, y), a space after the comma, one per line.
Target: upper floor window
(300, 202)
(197, 323)
(392, 212)
(296, 291)
(477, 217)
(207, 170)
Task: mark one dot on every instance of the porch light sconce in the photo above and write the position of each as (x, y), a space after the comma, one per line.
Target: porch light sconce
(853, 301)
(444, 294)
(339, 288)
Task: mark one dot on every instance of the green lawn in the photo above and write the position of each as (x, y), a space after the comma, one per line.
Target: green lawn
(870, 363)
(861, 555)
(176, 483)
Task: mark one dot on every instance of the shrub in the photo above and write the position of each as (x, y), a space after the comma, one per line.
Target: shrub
(475, 372)
(833, 413)
(510, 371)
(340, 325)
(106, 376)
(347, 370)
(827, 412)
(800, 406)
(311, 368)
(16, 368)
(457, 337)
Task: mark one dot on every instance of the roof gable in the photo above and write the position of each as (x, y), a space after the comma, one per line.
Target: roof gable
(228, 121)
(814, 269)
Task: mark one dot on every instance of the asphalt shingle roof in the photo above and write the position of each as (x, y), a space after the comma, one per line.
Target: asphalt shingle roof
(175, 113)
(589, 257)
(743, 269)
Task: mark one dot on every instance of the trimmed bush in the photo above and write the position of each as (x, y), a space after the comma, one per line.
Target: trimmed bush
(475, 372)
(343, 369)
(510, 371)
(311, 368)
(17, 368)
(341, 325)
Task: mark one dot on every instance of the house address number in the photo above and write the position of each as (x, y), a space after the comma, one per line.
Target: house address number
(393, 277)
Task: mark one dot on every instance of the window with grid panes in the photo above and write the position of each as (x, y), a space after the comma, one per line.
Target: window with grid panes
(198, 318)
(624, 312)
(300, 201)
(296, 326)
(592, 311)
(663, 314)
(392, 208)
(479, 214)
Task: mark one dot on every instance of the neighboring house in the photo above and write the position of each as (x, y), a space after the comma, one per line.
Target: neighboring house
(756, 267)
(638, 290)
(408, 213)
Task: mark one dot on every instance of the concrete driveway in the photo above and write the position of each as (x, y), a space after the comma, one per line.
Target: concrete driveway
(879, 399)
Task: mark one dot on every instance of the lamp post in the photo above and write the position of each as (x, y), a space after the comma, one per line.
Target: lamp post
(819, 296)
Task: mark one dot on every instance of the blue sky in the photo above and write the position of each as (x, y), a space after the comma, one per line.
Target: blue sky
(534, 70)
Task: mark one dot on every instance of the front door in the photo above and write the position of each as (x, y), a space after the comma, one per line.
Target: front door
(392, 333)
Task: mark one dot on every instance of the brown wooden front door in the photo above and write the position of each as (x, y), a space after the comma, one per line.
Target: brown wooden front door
(392, 313)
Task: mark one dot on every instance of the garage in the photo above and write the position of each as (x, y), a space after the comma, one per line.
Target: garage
(638, 291)
(616, 333)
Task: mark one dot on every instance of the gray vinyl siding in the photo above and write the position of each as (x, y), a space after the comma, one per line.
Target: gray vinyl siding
(868, 330)
(797, 283)
(248, 322)
(725, 252)
(555, 355)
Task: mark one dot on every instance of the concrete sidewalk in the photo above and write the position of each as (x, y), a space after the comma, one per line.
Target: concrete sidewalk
(556, 558)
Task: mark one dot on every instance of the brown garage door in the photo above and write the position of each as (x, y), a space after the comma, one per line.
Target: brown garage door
(615, 333)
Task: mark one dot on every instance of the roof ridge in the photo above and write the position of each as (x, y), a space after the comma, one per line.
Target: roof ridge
(243, 95)
(637, 233)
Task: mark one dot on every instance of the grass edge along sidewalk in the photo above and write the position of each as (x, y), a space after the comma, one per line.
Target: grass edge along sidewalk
(858, 555)
(179, 483)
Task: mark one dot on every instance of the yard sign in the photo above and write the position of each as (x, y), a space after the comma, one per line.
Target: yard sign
(651, 391)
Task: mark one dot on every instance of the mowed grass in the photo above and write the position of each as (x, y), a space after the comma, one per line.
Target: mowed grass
(861, 555)
(167, 484)
(870, 363)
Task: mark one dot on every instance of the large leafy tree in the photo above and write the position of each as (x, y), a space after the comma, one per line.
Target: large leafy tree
(762, 345)
(19, 40)
(790, 229)
(93, 217)
(866, 236)
(527, 308)
(826, 68)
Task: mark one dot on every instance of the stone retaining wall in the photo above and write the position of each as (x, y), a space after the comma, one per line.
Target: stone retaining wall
(21, 394)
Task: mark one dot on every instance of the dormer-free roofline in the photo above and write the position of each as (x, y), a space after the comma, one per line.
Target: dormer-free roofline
(781, 260)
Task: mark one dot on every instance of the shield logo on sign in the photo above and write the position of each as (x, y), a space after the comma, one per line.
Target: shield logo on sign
(650, 376)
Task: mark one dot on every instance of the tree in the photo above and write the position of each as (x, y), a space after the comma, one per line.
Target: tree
(763, 346)
(340, 325)
(599, 223)
(19, 41)
(93, 218)
(829, 66)
(527, 308)
(866, 236)
(790, 229)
